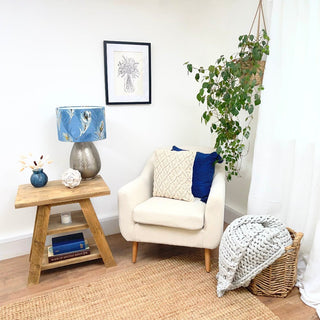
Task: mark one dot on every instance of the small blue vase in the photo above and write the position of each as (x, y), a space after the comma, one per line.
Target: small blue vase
(38, 178)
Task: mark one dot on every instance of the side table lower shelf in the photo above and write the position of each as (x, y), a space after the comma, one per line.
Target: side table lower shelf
(94, 254)
(78, 223)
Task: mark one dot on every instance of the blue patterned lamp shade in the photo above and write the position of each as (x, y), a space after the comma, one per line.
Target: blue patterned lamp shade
(81, 124)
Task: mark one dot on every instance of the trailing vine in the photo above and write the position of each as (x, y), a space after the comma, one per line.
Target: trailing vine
(230, 92)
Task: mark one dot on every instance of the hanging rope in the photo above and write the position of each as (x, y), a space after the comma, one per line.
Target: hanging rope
(259, 14)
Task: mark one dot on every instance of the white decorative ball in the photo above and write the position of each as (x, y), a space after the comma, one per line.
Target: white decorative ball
(71, 178)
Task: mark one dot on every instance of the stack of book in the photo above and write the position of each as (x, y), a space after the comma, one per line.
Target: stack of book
(68, 246)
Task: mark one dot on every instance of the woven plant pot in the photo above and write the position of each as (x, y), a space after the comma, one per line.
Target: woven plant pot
(279, 278)
(260, 72)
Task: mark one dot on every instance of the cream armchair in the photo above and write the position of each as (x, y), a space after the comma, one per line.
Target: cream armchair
(144, 218)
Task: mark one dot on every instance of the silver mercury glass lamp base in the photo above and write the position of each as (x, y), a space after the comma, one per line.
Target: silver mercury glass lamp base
(85, 158)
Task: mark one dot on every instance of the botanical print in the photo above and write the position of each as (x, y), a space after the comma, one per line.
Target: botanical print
(128, 69)
(128, 73)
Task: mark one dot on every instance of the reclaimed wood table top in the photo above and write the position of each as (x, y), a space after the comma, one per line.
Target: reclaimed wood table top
(54, 192)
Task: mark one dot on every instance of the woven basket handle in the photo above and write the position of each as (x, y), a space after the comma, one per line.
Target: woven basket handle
(297, 237)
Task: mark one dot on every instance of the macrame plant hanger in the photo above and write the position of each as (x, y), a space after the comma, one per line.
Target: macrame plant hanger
(259, 14)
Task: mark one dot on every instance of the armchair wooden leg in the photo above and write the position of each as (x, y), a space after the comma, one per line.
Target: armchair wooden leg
(207, 261)
(134, 251)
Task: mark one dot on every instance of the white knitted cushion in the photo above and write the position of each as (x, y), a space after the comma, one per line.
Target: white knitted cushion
(173, 174)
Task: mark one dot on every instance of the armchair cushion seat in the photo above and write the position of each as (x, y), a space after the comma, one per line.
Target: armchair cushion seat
(171, 213)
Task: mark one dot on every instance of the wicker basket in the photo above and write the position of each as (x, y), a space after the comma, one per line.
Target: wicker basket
(260, 72)
(279, 278)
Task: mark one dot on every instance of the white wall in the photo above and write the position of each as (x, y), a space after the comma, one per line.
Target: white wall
(52, 55)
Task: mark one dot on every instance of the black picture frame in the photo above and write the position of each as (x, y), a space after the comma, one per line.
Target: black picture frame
(127, 69)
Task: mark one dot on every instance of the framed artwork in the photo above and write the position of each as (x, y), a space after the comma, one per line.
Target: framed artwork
(127, 67)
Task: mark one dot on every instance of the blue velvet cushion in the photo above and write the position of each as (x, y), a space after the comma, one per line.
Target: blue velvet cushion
(203, 172)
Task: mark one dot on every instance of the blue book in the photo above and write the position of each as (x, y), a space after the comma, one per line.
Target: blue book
(68, 243)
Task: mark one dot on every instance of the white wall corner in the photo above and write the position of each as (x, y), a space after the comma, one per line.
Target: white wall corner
(20, 245)
(231, 214)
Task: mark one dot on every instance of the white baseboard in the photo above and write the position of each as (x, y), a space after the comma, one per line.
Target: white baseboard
(20, 245)
(231, 214)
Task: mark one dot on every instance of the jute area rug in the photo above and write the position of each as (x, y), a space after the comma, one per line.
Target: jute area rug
(175, 288)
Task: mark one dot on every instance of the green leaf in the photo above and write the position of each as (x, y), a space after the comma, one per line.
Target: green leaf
(226, 97)
(197, 76)
(206, 117)
(265, 36)
(246, 134)
(234, 111)
(225, 75)
(189, 67)
(257, 53)
(199, 95)
(257, 99)
(211, 68)
(205, 85)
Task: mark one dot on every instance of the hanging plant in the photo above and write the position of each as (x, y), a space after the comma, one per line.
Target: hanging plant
(230, 91)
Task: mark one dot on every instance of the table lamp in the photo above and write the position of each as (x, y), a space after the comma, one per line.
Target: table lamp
(82, 125)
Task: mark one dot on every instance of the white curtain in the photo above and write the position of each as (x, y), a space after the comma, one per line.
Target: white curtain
(286, 165)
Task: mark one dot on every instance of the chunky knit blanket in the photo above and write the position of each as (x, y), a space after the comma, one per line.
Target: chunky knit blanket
(249, 245)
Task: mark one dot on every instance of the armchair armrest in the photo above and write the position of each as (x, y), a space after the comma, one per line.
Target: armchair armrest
(132, 194)
(214, 212)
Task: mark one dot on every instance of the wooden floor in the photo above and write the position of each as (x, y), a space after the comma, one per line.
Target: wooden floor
(14, 275)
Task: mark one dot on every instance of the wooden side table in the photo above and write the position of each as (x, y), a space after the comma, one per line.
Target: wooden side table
(56, 194)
